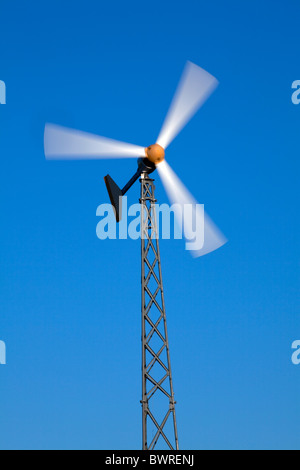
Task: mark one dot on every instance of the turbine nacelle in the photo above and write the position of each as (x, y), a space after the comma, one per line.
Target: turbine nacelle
(155, 153)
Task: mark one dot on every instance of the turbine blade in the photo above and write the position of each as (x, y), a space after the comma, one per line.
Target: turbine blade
(195, 87)
(201, 233)
(61, 143)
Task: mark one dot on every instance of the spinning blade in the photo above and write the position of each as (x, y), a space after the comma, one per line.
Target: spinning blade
(67, 144)
(189, 214)
(195, 87)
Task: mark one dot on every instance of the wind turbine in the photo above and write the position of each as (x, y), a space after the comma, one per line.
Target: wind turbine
(194, 89)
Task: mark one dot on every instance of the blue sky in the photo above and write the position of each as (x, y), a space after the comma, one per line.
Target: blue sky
(70, 303)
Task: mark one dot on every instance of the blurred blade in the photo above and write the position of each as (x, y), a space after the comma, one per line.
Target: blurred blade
(194, 89)
(67, 144)
(197, 226)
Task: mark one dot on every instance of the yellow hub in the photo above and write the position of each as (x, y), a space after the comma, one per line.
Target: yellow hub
(155, 153)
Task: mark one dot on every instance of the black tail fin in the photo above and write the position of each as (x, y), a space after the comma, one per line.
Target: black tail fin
(115, 195)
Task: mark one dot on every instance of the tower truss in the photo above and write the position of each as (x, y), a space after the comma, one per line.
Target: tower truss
(158, 404)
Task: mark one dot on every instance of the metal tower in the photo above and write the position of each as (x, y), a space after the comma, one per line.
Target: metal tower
(158, 402)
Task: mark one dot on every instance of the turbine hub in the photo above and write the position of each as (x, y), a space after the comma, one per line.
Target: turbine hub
(155, 153)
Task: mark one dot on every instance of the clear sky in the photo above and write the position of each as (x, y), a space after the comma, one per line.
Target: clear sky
(70, 303)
